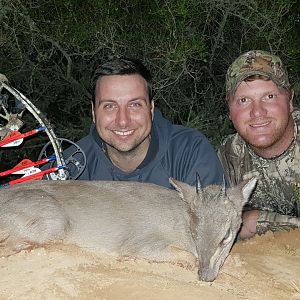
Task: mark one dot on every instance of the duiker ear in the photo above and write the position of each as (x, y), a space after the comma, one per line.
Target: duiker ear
(240, 194)
(248, 188)
(186, 191)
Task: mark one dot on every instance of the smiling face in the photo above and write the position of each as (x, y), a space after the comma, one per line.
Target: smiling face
(123, 114)
(261, 114)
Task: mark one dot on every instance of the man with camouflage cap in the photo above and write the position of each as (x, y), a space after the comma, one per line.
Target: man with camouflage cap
(267, 142)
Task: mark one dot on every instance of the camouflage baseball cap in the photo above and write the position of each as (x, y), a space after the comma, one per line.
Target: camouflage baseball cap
(256, 62)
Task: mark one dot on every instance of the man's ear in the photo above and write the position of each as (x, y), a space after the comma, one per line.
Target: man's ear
(93, 112)
(152, 109)
(228, 99)
(291, 100)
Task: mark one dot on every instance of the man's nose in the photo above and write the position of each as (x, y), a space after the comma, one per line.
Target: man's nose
(258, 109)
(123, 117)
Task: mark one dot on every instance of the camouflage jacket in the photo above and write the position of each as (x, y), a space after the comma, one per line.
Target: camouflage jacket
(278, 177)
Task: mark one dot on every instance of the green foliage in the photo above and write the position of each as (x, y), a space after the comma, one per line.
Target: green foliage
(49, 49)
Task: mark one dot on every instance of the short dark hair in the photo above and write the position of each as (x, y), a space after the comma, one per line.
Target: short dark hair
(122, 66)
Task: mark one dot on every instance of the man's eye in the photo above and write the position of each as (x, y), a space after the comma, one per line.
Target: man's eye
(135, 104)
(243, 100)
(271, 96)
(108, 106)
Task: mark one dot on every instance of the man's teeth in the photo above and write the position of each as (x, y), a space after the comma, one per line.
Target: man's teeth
(260, 125)
(123, 132)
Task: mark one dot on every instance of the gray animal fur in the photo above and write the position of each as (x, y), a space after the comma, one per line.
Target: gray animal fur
(126, 219)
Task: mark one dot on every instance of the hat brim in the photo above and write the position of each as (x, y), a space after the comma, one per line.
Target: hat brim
(248, 74)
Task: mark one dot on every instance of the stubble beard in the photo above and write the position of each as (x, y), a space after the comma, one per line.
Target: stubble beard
(276, 138)
(128, 151)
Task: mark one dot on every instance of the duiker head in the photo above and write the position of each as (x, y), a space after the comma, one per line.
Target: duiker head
(216, 217)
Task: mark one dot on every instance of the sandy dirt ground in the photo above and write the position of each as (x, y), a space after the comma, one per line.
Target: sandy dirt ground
(266, 267)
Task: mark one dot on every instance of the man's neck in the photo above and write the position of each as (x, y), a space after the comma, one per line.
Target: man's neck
(128, 161)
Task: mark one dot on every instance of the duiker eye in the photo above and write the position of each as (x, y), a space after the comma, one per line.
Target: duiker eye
(227, 237)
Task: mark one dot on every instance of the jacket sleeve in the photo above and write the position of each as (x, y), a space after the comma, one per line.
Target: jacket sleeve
(231, 163)
(229, 172)
(275, 222)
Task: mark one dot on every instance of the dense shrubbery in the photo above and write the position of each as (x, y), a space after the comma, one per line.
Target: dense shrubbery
(49, 49)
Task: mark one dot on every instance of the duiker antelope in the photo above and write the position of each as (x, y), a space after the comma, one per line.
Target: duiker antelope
(188, 225)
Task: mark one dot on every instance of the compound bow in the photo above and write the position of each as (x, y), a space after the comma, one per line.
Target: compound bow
(11, 137)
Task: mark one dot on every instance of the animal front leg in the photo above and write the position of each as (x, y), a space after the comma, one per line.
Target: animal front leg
(181, 257)
(154, 248)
